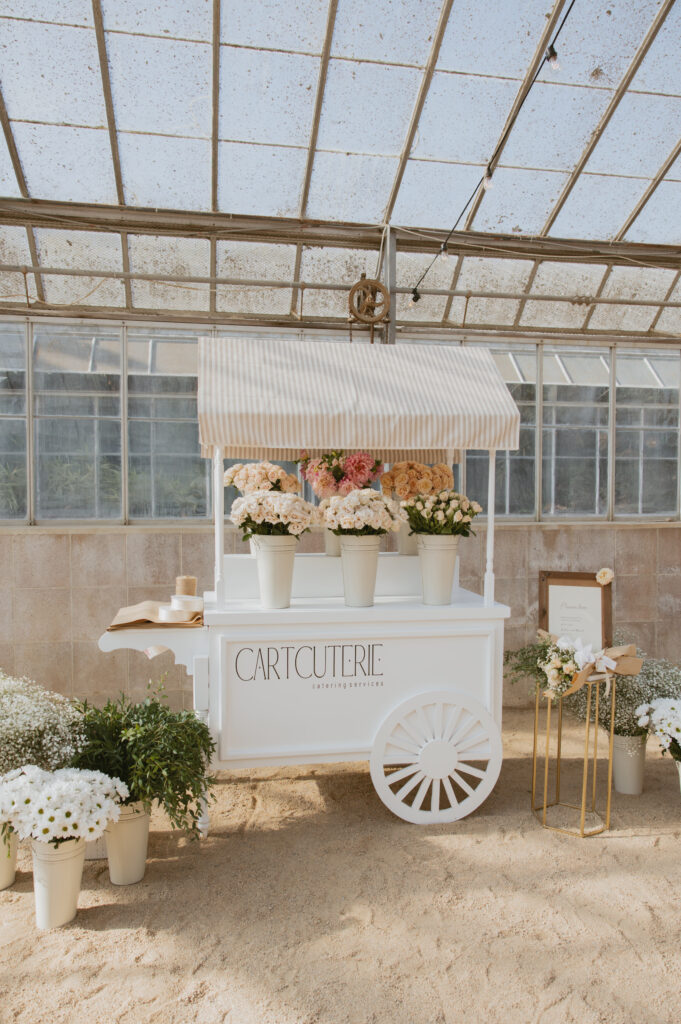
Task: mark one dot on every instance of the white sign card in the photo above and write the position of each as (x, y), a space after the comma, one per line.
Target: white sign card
(575, 611)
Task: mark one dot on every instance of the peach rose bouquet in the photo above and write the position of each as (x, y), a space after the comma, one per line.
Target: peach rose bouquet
(260, 476)
(337, 473)
(409, 479)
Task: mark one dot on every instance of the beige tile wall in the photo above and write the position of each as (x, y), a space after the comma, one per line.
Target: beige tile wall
(61, 589)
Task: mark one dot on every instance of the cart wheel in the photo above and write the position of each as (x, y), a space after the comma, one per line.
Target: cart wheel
(436, 757)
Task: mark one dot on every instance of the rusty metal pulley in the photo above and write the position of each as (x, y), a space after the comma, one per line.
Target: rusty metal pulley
(369, 301)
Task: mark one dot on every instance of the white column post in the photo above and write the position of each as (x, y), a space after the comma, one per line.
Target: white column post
(489, 568)
(219, 517)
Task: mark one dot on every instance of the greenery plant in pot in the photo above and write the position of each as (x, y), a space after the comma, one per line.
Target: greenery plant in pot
(161, 755)
(438, 520)
(37, 727)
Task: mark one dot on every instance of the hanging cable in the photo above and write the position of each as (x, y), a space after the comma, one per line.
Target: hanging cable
(550, 57)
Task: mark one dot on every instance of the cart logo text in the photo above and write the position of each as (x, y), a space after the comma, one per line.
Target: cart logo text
(308, 661)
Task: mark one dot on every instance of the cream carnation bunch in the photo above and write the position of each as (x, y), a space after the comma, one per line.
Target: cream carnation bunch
(362, 513)
(273, 514)
(36, 726)
(559, 667)
(444, 513)
(662, 719)
(260, 476)
(407, 479)
(52, 807)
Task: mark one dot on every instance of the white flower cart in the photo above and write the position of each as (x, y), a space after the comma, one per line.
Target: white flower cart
(414, 689)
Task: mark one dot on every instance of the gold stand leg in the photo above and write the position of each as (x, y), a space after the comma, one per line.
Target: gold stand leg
(593, 791)
(558, 748)
(546, 762)
(612, 734)
(585, 773)
(534, 750)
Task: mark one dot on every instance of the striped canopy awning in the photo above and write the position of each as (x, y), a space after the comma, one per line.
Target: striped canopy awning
(263, 398)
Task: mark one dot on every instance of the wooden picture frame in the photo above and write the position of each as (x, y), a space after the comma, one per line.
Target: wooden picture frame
(569, 605)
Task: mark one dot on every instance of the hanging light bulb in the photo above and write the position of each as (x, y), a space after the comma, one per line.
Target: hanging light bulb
(487, 180)
(444, 252)
(552, 57)
(415, 297)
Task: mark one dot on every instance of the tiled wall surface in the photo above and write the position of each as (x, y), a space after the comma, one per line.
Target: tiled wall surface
(61, 589)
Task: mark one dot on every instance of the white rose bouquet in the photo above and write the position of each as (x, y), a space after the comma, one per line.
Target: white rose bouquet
(446, 512)
(362, 513)
(662, 719)
(273, 514)
(260, 476)
(559, 666)
(53, 807)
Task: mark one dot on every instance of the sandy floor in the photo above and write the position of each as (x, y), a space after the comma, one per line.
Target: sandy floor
(309, 903)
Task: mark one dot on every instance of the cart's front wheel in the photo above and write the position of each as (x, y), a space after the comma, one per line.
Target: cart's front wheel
(436, 757)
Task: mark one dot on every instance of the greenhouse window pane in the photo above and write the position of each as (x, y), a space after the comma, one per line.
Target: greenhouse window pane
(659, 222)
(146, 162)
(385, 31)
(333, 266)
(571, 279)
(83, 291)
(271, 24)
(260, 180)
(9, 186)
(367, 181)
(70, 164)
(177, 257)
(13, 473)
(639, 136)
(479, 274)
(365, 89)
(77, 422)
(81, 250)
(659, 70)
(69, 12)
(432, 193)
(598, 206)
(410, 266)
(255, 260)
(160, 85)
(266, 96)
(181, 21)
(520, 201)
(632, 283)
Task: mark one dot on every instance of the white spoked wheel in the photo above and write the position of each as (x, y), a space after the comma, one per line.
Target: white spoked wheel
(436, 757)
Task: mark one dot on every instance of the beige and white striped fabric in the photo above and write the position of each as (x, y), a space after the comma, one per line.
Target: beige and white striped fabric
(261, 397)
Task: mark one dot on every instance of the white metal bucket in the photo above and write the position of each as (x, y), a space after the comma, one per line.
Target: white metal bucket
(359, 557)
(628, 763)
(437, 553)
(332, 544)
(275, 557)
(126, 845)
(8, 860)
(57, 874)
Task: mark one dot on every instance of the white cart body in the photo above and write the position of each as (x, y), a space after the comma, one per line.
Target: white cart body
(415, 689)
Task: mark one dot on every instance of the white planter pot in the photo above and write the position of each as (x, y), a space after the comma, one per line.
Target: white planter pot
(437, 554)
(275, 557)
(628, 762)
(57, 873)
(332, 544)
(126, 845)
(359, 558)
(8, 860)
(406, 542)
(96, 849)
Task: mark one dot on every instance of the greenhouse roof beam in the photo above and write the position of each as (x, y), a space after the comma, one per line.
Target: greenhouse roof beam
(23, 188)
(661, 174)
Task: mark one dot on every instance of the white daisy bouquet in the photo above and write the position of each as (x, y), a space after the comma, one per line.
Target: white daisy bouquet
(273, 514)
(37, 726)
(662, 719)
(52, 807)
(260, 476)
(362, 513)
(559, 666)
(446, 512)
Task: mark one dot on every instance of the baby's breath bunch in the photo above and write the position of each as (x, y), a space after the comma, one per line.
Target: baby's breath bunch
(37, 726)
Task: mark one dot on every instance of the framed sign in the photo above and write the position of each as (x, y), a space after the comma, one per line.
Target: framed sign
(574, 604)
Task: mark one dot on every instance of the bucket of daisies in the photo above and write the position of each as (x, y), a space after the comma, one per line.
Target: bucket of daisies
(438, 521)
(58, 810)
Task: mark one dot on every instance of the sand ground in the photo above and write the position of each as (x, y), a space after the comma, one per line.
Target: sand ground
(310, 903)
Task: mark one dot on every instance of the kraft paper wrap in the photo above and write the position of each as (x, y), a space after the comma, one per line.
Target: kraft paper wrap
(628, 664)
(146, 613)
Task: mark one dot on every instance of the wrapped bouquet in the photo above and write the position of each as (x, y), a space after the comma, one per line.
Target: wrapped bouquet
(408, 479)
(260, 476)
(362, 513)
(337, 473)
(273, 514)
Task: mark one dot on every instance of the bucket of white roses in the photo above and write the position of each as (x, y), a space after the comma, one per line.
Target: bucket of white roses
(58, 811)
(360, 519)
(274, 522)
(438, 521)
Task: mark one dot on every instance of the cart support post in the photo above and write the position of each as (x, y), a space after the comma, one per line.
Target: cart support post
(489, 568)
(219, 517)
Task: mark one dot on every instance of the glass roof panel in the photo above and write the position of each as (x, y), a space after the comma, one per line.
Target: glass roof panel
(65, 91)
(659, 71)
(14, 251)
(255, 260)
(65, 290)
(354, 94)
(631, 283)
(667, 368)
(634, 370)
(266, 97)
(333, 266)
(264, 180)
(506, 367)
(670, 319)
(68, 12)
(160, 85)
(410, 266)
(553, 314)
(501, 312)
(478, 274)
(554, 126)
(151, 254)
(12, 288)
(163, 350)
(165, 172)
(180, 20)
(527, 364)
(396, 33)
(573, 279)
(598, 206)
(346, 186)
(639, 137)
(70, 164)
(269, 23)
(447, 131)
(623, 318)
(519, 201)
(432, 193)
(9, 185)
(472, 38)
(79, 250)
(587, 367)
(660, 219)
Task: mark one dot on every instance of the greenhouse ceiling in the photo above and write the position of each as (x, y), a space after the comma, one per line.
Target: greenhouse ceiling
(227, 160)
